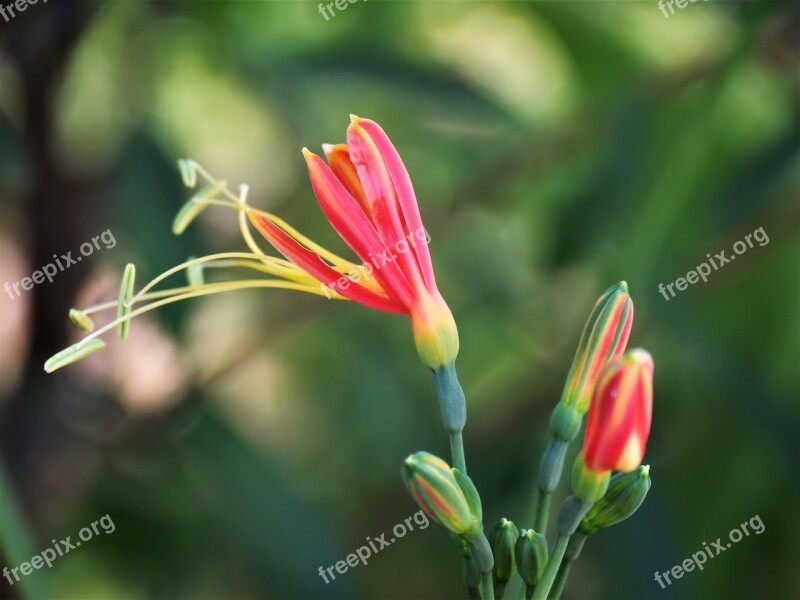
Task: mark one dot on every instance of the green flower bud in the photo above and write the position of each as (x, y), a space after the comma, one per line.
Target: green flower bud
(626, 492)
(502, 539)
(531, 555)
(435, 487)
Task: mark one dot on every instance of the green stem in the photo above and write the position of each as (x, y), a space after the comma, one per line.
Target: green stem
(574, 548)
(17, 541)
(550, 468)
(542, 511)
(453, 407)
(457, 451)
(561, 580)
(484, 561)
(470, 573)
(529, 590)
(550, 572)
(486, 586)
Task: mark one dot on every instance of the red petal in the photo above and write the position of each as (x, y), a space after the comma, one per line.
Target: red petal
(339, 160)
(311, 263)
(350, 222)
(621, 409)
(383, 201)
(404, 192)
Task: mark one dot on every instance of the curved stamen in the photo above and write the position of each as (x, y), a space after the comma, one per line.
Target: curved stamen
(208, 290)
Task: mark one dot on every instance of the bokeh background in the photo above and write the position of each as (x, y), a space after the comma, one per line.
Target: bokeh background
(241, 442)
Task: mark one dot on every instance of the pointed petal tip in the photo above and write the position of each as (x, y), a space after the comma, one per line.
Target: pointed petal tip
(354, 118)
(307, 153)
(327, 149)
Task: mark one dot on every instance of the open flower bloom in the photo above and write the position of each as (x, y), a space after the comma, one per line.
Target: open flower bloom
(620, 413)
(366, 194)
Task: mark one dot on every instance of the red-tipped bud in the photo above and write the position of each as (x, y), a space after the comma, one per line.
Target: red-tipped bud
(446, 495)
(619, 417)
(604, 337)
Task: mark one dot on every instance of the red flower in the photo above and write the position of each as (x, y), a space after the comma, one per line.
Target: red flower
(367, 196)
(620, 413)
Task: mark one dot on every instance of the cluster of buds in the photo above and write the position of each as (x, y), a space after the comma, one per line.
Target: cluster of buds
(620, 385)
(614, 389)
(449, 498)
(604, 337)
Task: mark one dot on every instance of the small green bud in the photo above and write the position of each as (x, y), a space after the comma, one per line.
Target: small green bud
(626, 492)
(433, 485)
(502, 539)
(531, 554)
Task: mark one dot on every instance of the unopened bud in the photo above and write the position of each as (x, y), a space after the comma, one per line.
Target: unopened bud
(626, 492)
(604, 336)
(531, 554)
(502, 539)
(434, 486)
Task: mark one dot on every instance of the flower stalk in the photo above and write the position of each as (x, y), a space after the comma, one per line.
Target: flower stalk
(365, 193)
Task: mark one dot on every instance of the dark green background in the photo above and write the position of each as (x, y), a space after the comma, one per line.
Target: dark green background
(555, 147)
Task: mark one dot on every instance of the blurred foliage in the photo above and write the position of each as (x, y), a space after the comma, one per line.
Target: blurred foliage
(555, 148)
